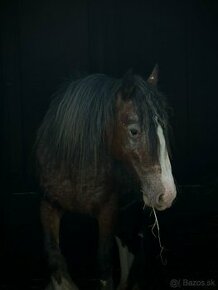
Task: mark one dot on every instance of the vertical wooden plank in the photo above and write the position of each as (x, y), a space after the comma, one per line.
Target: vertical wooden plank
(123, 34)
(96, 32)
(203, 86)
(10, 95)
(54, 46)
(173, 78)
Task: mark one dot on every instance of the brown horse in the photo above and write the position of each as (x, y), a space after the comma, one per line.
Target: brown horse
(99, 135)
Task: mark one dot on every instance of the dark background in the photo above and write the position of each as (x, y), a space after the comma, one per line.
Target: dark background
(43, 43)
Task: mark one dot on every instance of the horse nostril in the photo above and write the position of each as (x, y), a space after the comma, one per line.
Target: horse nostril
(160, 199)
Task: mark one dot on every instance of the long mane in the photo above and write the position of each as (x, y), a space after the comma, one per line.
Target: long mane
(78, 127)
(152, 110)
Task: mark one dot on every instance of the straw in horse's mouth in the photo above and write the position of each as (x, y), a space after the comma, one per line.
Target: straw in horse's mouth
(156, 224)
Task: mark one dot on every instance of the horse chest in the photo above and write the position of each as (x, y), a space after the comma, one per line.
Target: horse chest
(91, 198)
(84, 198)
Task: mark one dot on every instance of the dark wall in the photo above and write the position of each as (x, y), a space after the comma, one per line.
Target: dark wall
(45, 42)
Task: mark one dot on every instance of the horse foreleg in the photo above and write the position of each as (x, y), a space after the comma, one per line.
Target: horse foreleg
(106, 224)
(50, 218)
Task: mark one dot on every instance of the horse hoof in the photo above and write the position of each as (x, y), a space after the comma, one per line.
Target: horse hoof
(122, 287)
(64, 285)
(106, 284)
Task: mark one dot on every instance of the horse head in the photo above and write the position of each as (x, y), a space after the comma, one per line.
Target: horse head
(140, 139)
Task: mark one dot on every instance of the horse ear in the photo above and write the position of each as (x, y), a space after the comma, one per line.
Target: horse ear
(128, 85)
(153, 78)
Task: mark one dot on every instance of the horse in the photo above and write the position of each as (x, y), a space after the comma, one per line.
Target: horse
(101, 138)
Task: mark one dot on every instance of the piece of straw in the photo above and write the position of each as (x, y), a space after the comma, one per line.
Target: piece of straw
(156, 223)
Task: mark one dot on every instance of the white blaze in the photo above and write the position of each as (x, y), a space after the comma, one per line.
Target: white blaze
(166, 171)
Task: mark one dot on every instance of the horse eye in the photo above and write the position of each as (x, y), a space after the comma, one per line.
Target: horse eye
(134, 132)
